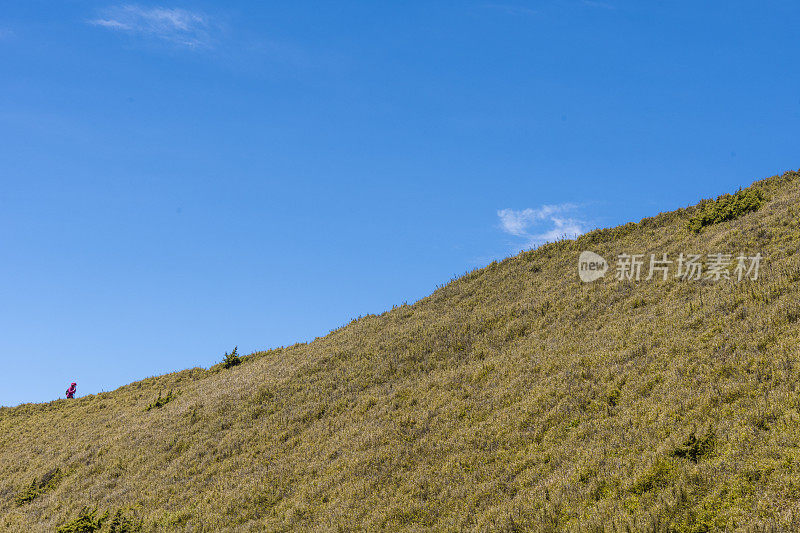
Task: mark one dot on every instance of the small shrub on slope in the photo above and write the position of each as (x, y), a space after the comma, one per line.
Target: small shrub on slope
(86, 522)
(122, 524)
(29, 494)
(38, 487)
(726, 207)
(231, 359)
(161, 401)
(695, 447)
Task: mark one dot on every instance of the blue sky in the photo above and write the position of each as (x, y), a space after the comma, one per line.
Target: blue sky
(182, 177)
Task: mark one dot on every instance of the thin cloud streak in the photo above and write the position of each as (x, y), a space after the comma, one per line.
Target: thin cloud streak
(596, 3)
(544, 224)
(510, 9)
(174, 25)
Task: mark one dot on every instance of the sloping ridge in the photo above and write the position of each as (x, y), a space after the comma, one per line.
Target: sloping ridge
(513, 398)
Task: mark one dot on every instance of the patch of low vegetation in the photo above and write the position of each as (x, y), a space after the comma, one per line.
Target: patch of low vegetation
(613, 397)
(726, 207)
(122, 523)
(694, 447)
(161, 401)
(90, 520)
(37, 487)
(87, 521)
(658, 475)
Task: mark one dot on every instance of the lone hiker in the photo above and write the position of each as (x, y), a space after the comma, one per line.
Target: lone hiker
(71, 390)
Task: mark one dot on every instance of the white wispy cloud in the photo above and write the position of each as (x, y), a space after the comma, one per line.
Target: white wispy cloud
(598, 4)
(510, 9)
(543, 224)
(521, 10)
(174, 25)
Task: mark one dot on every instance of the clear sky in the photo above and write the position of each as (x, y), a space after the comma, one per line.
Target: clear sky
(182, 177)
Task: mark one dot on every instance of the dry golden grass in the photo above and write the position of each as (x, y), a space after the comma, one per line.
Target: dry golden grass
(514, 398)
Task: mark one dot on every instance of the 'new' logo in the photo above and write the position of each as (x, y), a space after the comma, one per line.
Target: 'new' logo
(591, 266)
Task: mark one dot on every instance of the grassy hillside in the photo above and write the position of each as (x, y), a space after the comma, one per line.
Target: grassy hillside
(513, 398)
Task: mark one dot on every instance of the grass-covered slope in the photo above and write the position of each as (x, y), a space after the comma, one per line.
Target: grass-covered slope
(513, 398)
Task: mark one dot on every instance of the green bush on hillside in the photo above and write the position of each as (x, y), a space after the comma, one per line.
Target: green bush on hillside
(123, 524)
(38, 487)
(695, 447)
(161, 401)
(726, 207)
(28, 494)
(86, 522)
(231, 359)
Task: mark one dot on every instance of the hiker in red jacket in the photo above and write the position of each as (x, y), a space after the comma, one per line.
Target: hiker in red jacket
(71, 390)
